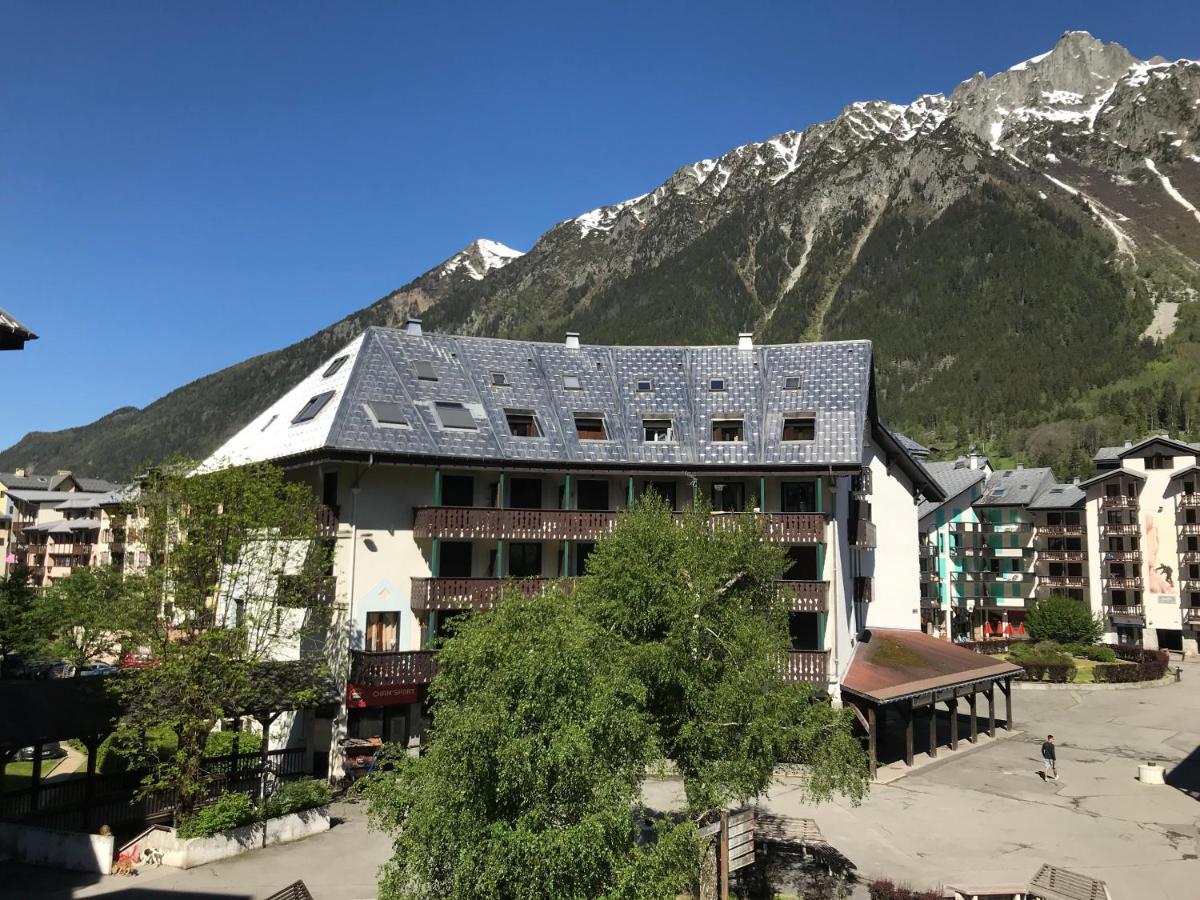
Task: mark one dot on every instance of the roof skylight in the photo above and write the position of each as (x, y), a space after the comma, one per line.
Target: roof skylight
(334, 366)
(312, 407)
(455, 415)
(424, 370)
(571, 382)
(386, 413)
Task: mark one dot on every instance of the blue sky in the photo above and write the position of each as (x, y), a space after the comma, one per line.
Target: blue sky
(184, 185)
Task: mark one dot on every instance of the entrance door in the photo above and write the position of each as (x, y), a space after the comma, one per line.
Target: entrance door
(1170, 639)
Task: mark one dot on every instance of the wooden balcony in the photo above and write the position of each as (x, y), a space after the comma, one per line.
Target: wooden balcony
(327, 521)
(1063, 581)
(1189, 584)
(475, 593)
(928, 550)
(409, 668)
(1190, 528)
(1191, 615)
(1189, 556)
(810, 666)
(1128, 610)
(805, 596)
(864, 536)
(484, 523)
(1121, 502)
(1061, 530)
(1062, 555)
(1122, 583)
(1189, 500)
(864, 589)
(1121, 528)
(1133, 556)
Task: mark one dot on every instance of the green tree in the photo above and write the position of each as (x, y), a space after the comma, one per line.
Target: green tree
(237, 570)
(94, 613)
(706, 633)
(20, 630)
(531, 783)
(1064, 620)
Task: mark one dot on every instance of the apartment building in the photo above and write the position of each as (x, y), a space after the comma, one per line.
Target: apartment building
(63, 522)
(451, 465)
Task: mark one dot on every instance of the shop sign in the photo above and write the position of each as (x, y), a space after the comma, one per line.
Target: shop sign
(363, 696)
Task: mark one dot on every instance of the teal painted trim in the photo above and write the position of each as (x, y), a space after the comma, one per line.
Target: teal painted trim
(762, 495)
(435, 559)
(821, 630)
(566, 559)
(437, 487)
(500, 492)
(431, 635)
(821, 561)
(499, 559)
(567, 492)
(629, 493)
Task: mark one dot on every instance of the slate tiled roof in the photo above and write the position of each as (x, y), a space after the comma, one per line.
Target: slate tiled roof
(1060, 496)
(13, 334)
(1112, 455)
(834, 386)
(27, 482)
(954, 477)
(1015, 487)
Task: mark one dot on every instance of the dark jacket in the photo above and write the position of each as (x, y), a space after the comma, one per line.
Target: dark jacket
(1048, 750)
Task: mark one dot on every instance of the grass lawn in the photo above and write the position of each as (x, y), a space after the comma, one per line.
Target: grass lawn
(1083, 667)
(17, 774)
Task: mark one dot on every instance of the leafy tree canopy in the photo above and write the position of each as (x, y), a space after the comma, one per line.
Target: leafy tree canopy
(1064, 621)
(20, 630)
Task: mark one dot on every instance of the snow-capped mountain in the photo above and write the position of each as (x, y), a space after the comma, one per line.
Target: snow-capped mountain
(1005, 246)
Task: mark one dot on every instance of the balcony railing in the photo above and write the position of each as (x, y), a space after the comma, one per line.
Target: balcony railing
(1063, 581)
(327, 521)
(486, 523)
(980, 550)
(1061, 530)
(1191, 614)
(404, 669)
(864, 588)
(1120, 502)
(1129, 610)
(1122, 582)
(1189, 584)
(928, 550)
(1189, 556)
(1121, 528)
(1189, 528)
(1192, 499)
(811, 666)
(1134, 556)
(1062, 555)
(484, 593)
(864, 534)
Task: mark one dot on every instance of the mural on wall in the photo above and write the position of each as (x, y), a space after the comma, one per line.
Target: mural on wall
(1160, 561)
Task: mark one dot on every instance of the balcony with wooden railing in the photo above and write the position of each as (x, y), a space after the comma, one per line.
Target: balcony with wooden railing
(1189, 556)
(1122, 582)
(1191, 500)
(410, 668)
(1122, 501)
(1121, 556)
(1191, 614)
(807, 666)
(1125, 610)
(1061, 530)
(864, 536)
(1189, 528)
(1062, 581)
(1189, 584)
(1061, 555)
(327, 521)
(864, 589)
(484, 593)
(1115, 529)
(489, 523)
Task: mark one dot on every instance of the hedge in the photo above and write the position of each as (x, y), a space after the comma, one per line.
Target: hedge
(1056, 673)
(1149, 665)
(886, 889)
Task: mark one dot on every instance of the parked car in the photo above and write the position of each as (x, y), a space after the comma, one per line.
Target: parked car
(52, 750)
(94, 669)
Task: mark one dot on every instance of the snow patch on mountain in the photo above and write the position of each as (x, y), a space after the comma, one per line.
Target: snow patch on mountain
(479, 258)
(1170, 189)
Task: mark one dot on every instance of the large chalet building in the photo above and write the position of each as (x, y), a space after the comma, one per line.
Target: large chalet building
(453, 465)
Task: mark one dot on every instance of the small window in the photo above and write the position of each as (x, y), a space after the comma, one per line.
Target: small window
(455, 415)
(312, 407)
(423, 369)
(522, 423)
(334, 366)
(799, 428)
(791, 383)
(590, 428)
(655, 431)
(728, 431)
(387, 414)
(645, 385)
(571, 382)
(716, 384)
(270, 422)
(500, 379)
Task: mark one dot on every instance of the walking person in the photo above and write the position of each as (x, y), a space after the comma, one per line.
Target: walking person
(1049, 759)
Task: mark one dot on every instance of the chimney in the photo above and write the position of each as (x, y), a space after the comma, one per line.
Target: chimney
(19, 471)
(412, 326)
(572, 341)
(1020, 466)
(746, 340)
(1075, 481)
(1128, 444)
(973, 458)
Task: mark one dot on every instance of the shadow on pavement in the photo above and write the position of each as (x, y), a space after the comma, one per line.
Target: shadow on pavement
(1185, 776)
(21, 882)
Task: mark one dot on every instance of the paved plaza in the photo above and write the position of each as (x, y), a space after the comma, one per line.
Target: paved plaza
(981, 816)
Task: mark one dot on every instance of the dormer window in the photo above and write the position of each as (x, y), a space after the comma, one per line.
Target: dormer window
(312, 407)
(571, 383)
(424, 370)
(645, 385)
(1159, 461)
(800, 427)
(658, 431)
(725, 431)
(716, 384)
(500, 379)
(522, 423)
(334, 366)
(590, 427)
(791, 383)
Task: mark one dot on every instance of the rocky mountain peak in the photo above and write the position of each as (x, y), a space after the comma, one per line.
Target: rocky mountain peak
(478, 258)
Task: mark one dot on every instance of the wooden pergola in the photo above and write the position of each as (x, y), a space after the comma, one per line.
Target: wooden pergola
(915, 674)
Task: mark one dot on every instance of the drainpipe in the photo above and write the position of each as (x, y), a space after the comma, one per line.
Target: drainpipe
(835, 692)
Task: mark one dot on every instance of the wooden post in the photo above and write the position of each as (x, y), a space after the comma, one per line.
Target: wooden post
(92, 742)
(1007, 691)
(991, 699)
(871, 739)
(933, 730)
(265, 720)
(908, 734)
(723, 857)
(952, 706)
(36, 778)
(971, 697)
